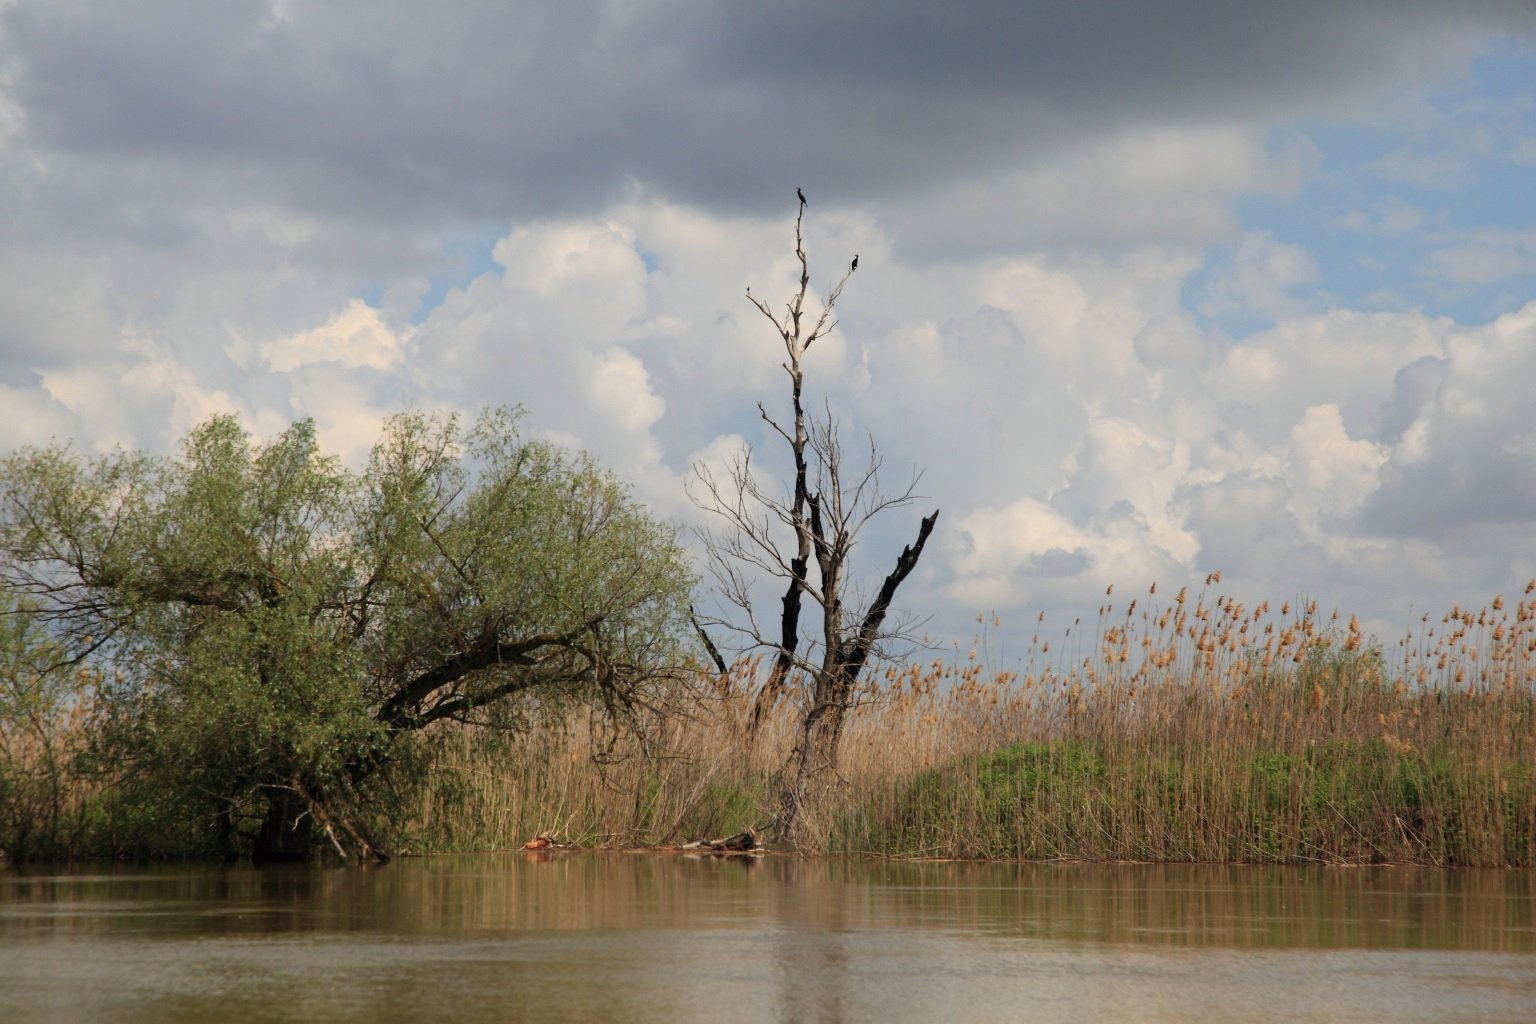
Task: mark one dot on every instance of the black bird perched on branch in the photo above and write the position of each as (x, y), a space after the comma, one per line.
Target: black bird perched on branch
(855, 264)
(802, 197)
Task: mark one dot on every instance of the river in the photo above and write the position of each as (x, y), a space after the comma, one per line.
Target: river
(661, 937)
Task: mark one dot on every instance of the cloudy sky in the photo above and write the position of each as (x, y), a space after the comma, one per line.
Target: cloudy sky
(1146, 290)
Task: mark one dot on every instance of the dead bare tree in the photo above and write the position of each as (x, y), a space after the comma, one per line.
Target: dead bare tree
(805, 540)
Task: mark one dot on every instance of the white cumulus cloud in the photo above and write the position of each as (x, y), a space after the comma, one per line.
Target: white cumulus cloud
(355, 337)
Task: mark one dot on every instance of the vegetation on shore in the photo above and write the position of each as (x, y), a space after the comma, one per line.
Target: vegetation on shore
(248, 650)
(239, 651)
(1198, 730)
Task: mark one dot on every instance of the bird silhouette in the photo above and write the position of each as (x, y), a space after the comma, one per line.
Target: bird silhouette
(802, 197)
(855, 264)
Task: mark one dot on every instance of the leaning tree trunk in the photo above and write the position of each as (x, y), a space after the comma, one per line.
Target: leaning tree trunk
(301, 821)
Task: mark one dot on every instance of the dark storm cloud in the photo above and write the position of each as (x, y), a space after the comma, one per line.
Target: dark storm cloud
(468, 111)
(1485, 480)
(1413, 387)
(1242, 521)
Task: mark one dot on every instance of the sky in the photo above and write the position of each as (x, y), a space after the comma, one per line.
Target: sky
(1145, 292)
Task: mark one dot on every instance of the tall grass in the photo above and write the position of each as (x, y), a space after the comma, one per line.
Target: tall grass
(690, 773)
(1196, 729)
(46, 800)
(1190, 728)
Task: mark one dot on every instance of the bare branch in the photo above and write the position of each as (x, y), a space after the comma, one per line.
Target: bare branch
(816, 525)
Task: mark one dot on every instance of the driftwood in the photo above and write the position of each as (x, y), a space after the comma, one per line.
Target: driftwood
(742, 842)
(750, 841)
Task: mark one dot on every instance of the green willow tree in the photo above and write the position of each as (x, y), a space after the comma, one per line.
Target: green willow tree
(277, 632)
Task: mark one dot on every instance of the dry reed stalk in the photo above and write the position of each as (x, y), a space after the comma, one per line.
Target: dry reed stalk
(1198, 730)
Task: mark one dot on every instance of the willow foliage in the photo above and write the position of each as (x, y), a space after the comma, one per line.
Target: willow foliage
(275, 630)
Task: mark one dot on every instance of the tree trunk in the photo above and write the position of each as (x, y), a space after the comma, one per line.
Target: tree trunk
(821, 733)
(825, 513)
(287, 832)
(814, 760)
(224, 825)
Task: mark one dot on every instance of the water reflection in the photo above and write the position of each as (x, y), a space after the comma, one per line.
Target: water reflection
(665, 937)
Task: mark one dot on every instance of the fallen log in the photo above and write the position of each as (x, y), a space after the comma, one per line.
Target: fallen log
(741, 842)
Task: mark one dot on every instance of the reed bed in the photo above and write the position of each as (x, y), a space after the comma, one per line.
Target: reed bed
(47, 799)
(1189, 729)
(689, 772)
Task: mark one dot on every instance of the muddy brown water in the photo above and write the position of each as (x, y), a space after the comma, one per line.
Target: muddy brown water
(648, 937)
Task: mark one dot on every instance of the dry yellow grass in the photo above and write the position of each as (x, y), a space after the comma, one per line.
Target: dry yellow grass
(1192, 729)
(1183, 728)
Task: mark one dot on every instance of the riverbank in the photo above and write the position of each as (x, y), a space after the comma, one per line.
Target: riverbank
(1193, 730)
